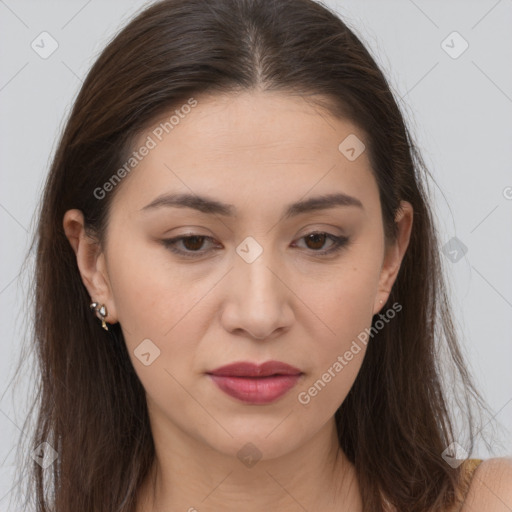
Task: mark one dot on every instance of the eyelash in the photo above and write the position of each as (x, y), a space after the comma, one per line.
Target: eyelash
(339, 242)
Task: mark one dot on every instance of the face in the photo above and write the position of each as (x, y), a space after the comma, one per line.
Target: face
(271, 271)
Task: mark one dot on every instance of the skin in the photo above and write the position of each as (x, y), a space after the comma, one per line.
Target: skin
(258, 151)
(491, 487)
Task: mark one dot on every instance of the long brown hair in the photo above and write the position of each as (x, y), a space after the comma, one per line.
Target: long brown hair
(396, 420)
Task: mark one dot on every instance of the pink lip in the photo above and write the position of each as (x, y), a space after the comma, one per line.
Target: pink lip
(256, 384)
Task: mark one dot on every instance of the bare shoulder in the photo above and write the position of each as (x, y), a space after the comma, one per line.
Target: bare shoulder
(491, 487)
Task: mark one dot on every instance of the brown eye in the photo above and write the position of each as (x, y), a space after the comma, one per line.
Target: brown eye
(317, 240)
(191, 244)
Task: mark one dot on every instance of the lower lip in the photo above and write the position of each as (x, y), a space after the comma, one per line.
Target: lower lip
(256, 390)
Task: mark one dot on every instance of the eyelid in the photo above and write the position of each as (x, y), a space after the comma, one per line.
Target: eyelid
(339, 242)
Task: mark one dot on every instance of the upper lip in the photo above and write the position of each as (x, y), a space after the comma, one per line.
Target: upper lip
(248, 369)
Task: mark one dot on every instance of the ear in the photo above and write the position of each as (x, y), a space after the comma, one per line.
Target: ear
(394, 254)
(91, 262)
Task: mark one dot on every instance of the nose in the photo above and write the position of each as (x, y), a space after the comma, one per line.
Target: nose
(258, 299)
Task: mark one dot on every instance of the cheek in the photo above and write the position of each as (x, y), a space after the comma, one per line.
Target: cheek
(343, 299)
(160, 309)
(344, 307)
(323, 393)
(146, 289)
(335, 361)
(156, 300)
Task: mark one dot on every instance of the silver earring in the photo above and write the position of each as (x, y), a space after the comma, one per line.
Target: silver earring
(101, 310)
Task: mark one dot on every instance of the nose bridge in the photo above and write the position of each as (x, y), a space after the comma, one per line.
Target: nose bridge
(253, 269)
(256, 294)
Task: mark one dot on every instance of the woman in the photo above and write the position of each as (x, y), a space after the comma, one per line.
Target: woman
(237, 199)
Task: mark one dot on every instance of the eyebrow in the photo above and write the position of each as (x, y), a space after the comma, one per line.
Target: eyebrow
(214, 207)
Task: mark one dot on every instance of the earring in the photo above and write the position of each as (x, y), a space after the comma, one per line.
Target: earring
(102, 311)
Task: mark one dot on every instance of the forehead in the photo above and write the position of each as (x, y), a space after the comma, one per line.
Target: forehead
(262, 146)
(251, 121)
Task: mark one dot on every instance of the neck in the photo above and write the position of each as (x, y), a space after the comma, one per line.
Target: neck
(188, 475)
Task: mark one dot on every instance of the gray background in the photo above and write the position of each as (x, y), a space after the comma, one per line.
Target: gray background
(459, 111)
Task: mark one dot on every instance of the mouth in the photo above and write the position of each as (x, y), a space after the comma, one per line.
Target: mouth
(256, 384)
